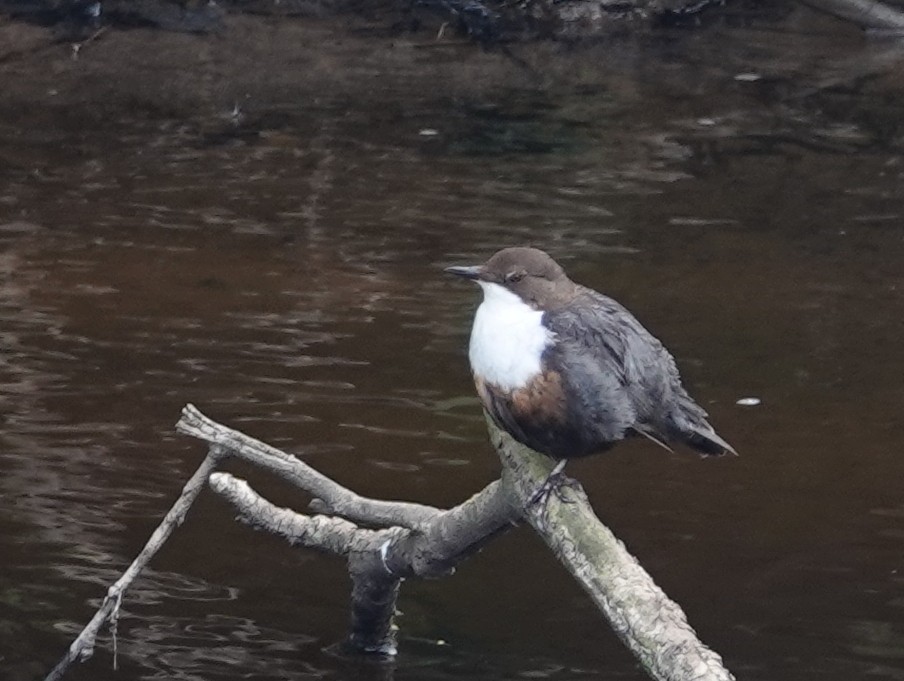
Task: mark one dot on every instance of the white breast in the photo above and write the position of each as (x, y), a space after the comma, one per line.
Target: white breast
(507, 339)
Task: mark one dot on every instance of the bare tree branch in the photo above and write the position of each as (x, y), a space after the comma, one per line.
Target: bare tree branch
(375, 586)
(428, 542)
(82, 648)
(431, 551)
(378, 559)
(332, 497)
(652, 626)
(324, 533)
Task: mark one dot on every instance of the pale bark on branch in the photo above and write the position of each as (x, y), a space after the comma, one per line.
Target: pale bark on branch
(651, 625)
(330, 496)
(401, 539)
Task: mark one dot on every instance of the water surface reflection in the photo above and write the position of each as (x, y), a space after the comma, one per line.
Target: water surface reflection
(280, 268)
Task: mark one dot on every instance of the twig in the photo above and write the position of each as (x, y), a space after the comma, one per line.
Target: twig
(333, 497)
(77, 47)
(83, 646)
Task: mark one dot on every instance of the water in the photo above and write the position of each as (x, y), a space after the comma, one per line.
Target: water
(256, 223)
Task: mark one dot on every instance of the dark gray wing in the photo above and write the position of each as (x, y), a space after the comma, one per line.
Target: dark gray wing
(626, 357)
(635, 379)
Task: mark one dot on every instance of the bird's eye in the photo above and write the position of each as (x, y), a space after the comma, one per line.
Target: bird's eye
(514, 277)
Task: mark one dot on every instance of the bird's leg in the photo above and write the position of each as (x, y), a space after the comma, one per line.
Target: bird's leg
(554, 482)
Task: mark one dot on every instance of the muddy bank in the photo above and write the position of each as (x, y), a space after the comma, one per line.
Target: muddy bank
(485, 21)
(267, 74)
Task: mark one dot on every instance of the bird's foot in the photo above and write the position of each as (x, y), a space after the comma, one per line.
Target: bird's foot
(555, 482)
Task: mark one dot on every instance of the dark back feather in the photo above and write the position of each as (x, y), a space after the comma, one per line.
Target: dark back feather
(623, 375)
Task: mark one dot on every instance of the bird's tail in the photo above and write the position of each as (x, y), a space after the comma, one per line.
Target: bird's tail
(703, 439)
(691, 427)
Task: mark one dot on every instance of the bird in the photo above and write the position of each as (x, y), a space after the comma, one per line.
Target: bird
(568, 371)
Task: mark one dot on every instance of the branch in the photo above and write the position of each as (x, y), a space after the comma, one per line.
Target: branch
(82, 647)
(330, 535)
(378, 559)
(652, 626)
(375, 587)
(331, 497)
(869, 14)
(434, 550)
(428, 542)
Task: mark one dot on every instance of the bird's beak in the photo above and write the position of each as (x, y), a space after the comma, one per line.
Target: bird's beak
(472, 272)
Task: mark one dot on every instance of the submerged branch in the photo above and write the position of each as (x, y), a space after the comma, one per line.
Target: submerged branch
(375, 586)
(82, 647)
(378, 560)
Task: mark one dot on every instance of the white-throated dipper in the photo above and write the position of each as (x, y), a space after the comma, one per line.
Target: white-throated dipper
(568, 371)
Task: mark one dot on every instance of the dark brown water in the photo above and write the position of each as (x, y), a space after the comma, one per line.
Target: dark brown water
(256, 223)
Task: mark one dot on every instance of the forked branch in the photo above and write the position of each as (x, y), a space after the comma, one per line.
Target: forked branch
(329, 496)
(412, 540)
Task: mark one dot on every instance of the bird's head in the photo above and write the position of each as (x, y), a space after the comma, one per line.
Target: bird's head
(529, 273)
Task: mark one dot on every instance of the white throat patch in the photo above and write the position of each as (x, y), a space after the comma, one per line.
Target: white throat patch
(507, 338)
